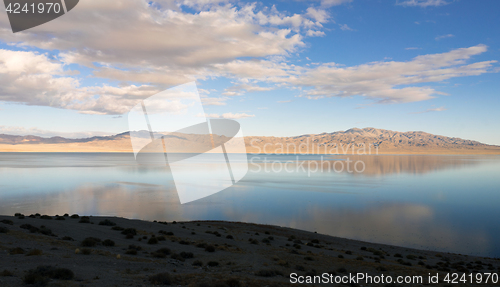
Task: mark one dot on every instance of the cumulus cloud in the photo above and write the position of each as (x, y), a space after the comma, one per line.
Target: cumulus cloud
(312, 33)
(381, 81)
(423, 3)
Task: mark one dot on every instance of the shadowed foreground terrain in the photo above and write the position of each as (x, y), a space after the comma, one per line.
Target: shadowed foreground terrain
(109, 251)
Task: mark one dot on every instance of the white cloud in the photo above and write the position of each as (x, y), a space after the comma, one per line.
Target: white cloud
(329, 3)
(444, 37)
(23, 131)
(440, 109)
(344, 27)
(228, 116)
(312, 33)
(390, 82)
(423, 3)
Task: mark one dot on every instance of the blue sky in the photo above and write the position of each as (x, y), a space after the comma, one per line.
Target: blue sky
(282, 68)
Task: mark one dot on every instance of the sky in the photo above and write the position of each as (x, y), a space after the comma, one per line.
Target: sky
(281, 68)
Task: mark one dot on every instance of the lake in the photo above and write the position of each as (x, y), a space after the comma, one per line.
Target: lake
(444, 203)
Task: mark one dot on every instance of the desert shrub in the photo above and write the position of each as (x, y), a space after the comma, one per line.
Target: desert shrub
(360, 258)
(107, 222)
(84, 219)
(45, 217)
(32, 216)
(67, 238)
(74, 216)
(117, 228)
(153, 240)
(411, 257)
(229, 236)
(348, 252)
(297, 246)
(129, 231)
(308, 258)
(60, 218)
(253, 241)
(187, 255)
(66, 215)
(161, 253)
(17, 250)
(265, 240)
(197, 263)
(177, 257)
(7, 221)
(34, 252)
(6, 273)
(86, 251)
(37, 214)
(41, 275)
(90, 242)
(45, 231)
(213, 263)
(363, 248)
(108, 242)
(3, 229)
(210, 248)
(201, 245)
(340, 256)
(161, 238)
(160, 279)
(315, 241)
(135, 247)
(184, 242)
(398, 255)
(268, 273)
(310, 244)
(18, 214)
(29, 227)
(341, 270)
(300, 268)
(131, 252)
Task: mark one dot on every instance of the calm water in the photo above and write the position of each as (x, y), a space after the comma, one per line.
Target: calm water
(445, 203)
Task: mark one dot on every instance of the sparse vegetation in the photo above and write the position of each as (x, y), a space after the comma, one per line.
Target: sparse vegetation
(34, 252)
(90, 242)
(160, 279)
(161, 253)
(210, 248)
(74, 216)
(7, 221)
(86, 251)
(84, 219)
(197, 263)
(129, 232)
(153, 240)
(213, 263)
(268, 273)
(17, 250)
(3, 229)
(41, 275)
(108, 242)
(107, 222)
(6, 273)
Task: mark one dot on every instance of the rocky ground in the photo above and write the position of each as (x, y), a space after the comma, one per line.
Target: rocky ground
(72, 250)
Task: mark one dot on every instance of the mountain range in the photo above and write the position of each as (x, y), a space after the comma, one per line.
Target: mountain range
(352, 141)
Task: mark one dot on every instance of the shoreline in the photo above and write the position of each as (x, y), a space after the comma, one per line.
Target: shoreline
(248, 254)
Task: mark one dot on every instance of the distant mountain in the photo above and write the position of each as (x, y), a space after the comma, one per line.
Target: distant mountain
(352, 141)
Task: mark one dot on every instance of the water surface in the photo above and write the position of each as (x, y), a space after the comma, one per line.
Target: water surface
(445, 203)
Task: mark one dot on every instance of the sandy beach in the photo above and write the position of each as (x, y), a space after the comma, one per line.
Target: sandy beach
(77, 250)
